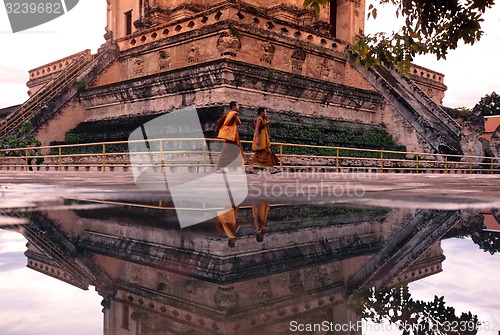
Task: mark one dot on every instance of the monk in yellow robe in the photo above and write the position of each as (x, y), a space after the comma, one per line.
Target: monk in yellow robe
(261, 144)
(228, 131)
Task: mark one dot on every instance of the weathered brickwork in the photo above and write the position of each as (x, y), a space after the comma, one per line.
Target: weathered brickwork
(68, 117)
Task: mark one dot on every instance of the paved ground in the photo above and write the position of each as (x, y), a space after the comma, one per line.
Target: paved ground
(437, 191)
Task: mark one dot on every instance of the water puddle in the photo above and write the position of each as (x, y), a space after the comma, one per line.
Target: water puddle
(123, 265)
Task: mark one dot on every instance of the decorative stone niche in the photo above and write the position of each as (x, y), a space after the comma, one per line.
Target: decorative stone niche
(163, 60)
(193, 55)
(267, 53)
(298, 60)
(228, 44)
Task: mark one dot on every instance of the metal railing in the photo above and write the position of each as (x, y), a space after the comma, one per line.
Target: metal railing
(201, 155)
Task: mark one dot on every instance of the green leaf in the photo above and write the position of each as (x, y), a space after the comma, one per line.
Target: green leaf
(315, 5)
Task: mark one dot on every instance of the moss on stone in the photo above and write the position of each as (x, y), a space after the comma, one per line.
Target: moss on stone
(284, 127)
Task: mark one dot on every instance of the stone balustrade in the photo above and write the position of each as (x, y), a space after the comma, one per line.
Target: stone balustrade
(425, 73)
(56, 66)
(207, 18)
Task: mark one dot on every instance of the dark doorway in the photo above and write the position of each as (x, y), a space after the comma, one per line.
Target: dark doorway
(333, 18)
(128, 23)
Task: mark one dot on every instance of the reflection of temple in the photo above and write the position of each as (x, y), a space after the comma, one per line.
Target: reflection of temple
(158, 279)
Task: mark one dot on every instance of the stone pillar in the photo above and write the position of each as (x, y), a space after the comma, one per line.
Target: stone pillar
(350, 21)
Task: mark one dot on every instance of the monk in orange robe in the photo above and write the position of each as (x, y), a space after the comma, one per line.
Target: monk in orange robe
(261, 144)
(228, 131)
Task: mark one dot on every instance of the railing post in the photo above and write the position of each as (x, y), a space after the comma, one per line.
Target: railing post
(103, 156)
(491, 165)
(337, 163)
(416, 162)
(161, 154)
(204, 156)
(60, 158)
(381, 161)
(446, 163)
(26, 159)
(281, 156)
(470, 166)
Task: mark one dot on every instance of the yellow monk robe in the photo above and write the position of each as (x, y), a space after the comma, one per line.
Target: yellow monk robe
(228, 224)
(232, 144)
(260, 211)
(263, 155)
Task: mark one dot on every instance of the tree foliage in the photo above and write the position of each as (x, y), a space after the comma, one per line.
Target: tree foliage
(430, 27)
(487, 241)
(489, 104)
(413, 317)
(24, 139)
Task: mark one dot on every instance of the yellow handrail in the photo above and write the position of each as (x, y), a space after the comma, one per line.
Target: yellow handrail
(338, 158)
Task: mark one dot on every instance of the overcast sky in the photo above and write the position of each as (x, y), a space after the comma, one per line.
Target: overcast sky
(470, 72)
(35, 304)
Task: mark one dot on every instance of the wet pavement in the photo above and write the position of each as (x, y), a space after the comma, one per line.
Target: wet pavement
(291, 258)
(434, 191)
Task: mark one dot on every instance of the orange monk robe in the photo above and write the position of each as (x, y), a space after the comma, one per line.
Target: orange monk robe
(232, 144)
(227, 223)
(260, 212)
(263, 155)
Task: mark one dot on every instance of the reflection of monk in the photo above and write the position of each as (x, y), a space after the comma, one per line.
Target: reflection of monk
(260, 212)
(227, 223)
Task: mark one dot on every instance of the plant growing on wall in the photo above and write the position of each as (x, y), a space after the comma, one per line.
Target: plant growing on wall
(23, 140)
(81, 86)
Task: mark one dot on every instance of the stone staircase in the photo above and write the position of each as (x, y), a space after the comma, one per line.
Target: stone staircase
(57, 251)
(422, 113)
(47, 101)
(424, 229)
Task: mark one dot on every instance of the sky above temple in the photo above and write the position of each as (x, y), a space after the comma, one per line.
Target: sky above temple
(470, 72)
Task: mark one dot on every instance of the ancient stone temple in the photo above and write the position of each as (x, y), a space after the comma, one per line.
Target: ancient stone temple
(162, 55)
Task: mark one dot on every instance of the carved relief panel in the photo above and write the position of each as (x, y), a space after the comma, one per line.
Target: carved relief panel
(193, 55)
(228, 44)
(163, 60)
(298, 60)
(325, 68)
(137, 66)
(267, 52)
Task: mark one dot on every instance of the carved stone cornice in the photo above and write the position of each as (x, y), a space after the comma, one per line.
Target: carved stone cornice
(228, 72)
